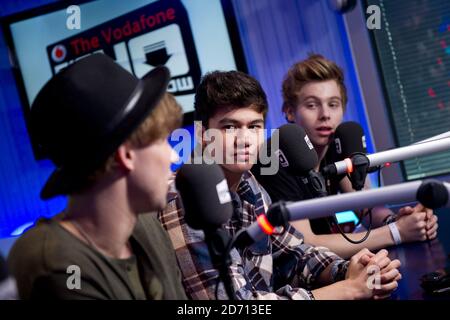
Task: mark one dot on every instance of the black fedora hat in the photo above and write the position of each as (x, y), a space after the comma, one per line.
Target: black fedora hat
(85, 112)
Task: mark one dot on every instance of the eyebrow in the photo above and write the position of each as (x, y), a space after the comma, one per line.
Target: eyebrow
(317, 98)
(233, 121)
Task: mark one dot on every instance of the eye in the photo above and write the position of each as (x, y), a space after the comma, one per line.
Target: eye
(334, 105)
(311, 105)
(255, 127)
(229, 127)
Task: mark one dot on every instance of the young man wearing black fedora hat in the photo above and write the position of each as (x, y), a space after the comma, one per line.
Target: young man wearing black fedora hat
(106, 132)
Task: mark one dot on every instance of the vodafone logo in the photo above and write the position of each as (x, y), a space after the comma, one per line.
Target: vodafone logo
(59, 53)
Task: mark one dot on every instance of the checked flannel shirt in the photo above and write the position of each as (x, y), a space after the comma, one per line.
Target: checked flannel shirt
(277, 267)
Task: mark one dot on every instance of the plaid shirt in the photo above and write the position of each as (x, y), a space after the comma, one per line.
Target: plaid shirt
(277, 267)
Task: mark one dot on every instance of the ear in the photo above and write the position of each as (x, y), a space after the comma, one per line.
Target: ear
(125, 156)
(199, 132)
(290, 114)
(203, 134)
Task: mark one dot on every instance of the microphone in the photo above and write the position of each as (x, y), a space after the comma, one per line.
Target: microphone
(434, 194)
(349, 141)
(207, 206)
(365, 163)
(205, 196)
(296, 152)
(298, 156)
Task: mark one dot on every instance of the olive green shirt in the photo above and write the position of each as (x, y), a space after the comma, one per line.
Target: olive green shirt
(49, 262)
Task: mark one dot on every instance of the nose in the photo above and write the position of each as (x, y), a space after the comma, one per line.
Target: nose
(324, 113)
(243, 138)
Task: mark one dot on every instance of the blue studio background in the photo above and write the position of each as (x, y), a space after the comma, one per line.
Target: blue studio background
(274, 35)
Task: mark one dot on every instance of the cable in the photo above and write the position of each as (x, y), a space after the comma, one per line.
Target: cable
(369, 229)
(379, 175)
(361, 217)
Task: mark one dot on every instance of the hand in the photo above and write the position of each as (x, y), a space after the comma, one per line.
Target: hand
(373, 275)
(357, 273)
(432, 225)
(405, 211)
(389, 277)
(385, 264)
(411, 224)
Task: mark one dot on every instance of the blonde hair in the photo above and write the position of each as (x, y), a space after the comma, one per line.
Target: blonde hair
(162, 120)
(315, 68)
(166, 117)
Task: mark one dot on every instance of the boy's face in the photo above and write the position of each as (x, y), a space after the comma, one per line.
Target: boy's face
(241, 133)
(319, 110)
(150, 178)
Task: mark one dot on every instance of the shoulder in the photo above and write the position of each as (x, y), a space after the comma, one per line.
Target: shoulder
(153, 228)
(35, 244)
(49, 248)
(40, 252)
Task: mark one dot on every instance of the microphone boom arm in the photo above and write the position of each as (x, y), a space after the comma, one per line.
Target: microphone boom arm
(393, 155)
(436, 195)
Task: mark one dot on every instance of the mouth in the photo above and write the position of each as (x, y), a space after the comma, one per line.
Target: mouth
(324, 131)
(242, 156)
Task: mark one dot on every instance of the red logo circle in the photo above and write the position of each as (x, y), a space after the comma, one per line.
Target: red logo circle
(59, 53)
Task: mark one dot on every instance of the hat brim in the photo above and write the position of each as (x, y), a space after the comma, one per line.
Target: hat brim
(150, 89)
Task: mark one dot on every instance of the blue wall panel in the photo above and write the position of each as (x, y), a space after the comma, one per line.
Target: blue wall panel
(21, 177)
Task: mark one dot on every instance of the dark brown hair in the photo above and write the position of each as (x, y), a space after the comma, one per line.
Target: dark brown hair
(234, 89)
